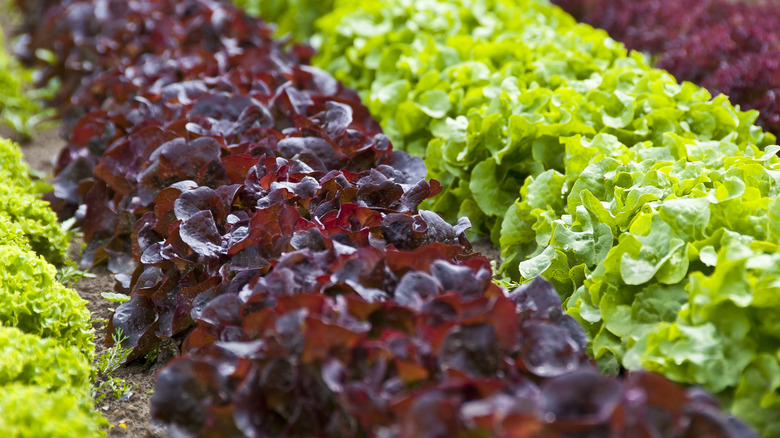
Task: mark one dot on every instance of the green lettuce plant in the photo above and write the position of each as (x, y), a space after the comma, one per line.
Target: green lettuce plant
(32, 300)
(20, 202)
(45, 388)
(32, 360)
(14, 171)
(18, 106)
(38, 223)
(12, 234)
(33, 411)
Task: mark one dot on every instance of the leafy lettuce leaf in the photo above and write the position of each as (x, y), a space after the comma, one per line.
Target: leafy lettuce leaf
(21, 205)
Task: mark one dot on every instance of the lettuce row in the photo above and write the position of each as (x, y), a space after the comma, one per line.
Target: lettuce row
(484, 89)
(30, 296)
(38, 223)
(46, 338)
(36, 411)
(12, 234)
(14, 172)
(32, 360)
(32, 300)
(645, 201)
(19, 202)
(295, 17)
(45, 388)
(18, 109)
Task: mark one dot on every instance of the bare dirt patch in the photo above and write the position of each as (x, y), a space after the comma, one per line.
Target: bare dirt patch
(488, 249)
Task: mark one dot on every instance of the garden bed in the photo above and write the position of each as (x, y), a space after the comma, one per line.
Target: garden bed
(260, 222)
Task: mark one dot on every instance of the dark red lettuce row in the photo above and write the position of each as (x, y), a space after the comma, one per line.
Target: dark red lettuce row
(251, 206)
(234, 178)
(449, 355)
(225, 156)
(726, 46)
(90, 37)
(114, 168)
(247, 97)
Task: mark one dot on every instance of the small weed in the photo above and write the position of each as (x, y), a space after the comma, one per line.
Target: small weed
(101, 321)
(70, 275)
(500, 280)
(153, 354)
(109, 361)
(121, 389)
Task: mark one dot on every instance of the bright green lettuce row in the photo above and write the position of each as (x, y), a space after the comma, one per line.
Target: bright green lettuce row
(14, 171)
(46, 338)
(605, 171)
(18, 109)
(671, 254)
(43, 381)
(484, 89)
(290, 16)
(31, 360)
(32, 300)
(32, 411)
(726, 335)
(19, 202)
